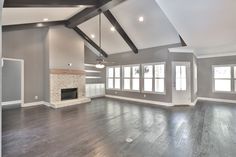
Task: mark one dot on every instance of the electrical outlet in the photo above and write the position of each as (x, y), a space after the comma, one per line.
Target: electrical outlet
(36, 97)
(144, 95)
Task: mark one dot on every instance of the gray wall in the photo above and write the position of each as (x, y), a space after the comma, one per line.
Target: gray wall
(66, 46)
(151, 55)
(28, 45)
(90, 58)
(41, 49)
(205, 77)
(11, 81)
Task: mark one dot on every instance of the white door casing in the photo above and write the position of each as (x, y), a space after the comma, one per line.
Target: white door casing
(181, 83)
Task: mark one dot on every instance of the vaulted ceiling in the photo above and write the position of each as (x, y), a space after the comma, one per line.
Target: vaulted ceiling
(155, 30)
(207, 26)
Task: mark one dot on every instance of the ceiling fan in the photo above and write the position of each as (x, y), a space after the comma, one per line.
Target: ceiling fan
(100, 62)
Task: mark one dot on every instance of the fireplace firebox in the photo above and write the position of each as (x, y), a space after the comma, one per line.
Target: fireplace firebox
(69, 93)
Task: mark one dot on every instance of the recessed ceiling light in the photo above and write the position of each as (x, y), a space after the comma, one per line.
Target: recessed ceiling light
(113, 29)
(45, 19)
(141, 19)
(92, 36)
(39, 25)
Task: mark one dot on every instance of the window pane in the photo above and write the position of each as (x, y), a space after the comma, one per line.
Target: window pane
(183, 71)
(235, 85)
(148, 72)
(159, 85)
(234, 72)
(181, 84)
(160, 71)
(117, 72)
(148, 85)
(126, 71)
(117, 83)
(110, 72)
(135, 84)
(222, 72)
(110, 83)
(223, 85)
(135, 71)
(127, 84)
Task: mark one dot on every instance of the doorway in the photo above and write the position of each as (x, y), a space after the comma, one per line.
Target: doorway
(181, 83)
(12, 81)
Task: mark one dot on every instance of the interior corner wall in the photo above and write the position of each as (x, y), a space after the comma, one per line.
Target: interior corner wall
(28, 45)
(205, 77)
(65, 46)
(90, 58)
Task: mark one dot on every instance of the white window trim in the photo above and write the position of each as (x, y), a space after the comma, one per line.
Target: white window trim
(114, 89)
(153, 78)
(231, 79)
(131, 77)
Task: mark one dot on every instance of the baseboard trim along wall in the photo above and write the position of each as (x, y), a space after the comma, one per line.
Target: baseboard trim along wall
(141, 100)
(11, 102)
(217, 100)
(33, 104)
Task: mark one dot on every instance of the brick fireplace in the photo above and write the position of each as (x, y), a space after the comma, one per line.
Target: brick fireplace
(64, 79)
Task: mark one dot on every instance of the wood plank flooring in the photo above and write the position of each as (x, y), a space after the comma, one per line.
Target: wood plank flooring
(100, 128)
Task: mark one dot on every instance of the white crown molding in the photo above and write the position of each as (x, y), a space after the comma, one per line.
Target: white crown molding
(217, 55)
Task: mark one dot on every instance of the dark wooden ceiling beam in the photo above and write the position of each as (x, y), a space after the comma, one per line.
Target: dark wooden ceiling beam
(120, 30)
(49, 3)
(91, 12)
(182, 41)
(86, 38)
(31, 25)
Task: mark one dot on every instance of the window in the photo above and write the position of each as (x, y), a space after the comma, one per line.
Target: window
(235, 78)
(180, 78)
(113, 77)
(154, 78)
(222, 78)
(131, 77)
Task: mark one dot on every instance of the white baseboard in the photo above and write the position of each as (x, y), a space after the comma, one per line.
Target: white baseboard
(141, 100)
(33, 104)
(217, 100)
(11, 102)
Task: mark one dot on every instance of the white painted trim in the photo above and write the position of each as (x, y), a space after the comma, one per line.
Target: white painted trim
(90, 65)
(141, 100)
(92, 71)
(216, 100)
(92, 77)
(217, 55)
(33, 104)
(11, 102)
(194, 102)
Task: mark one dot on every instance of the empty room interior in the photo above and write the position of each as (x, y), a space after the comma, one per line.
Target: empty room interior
(118, 78)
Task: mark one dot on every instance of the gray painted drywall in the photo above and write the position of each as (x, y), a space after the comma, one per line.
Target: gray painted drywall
(29, 46)
(90, 58)
(151, 55)
(65, 46)
(42, 49)
(11, 81)
(205, 77)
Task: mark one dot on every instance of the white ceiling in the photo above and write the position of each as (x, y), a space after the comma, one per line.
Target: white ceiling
(207, 26)
(156, 30)
(31, 15)
(111, 41)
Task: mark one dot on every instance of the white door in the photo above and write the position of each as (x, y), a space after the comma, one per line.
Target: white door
(181, 86)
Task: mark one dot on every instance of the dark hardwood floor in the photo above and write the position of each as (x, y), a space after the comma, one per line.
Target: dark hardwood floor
(100, 129)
